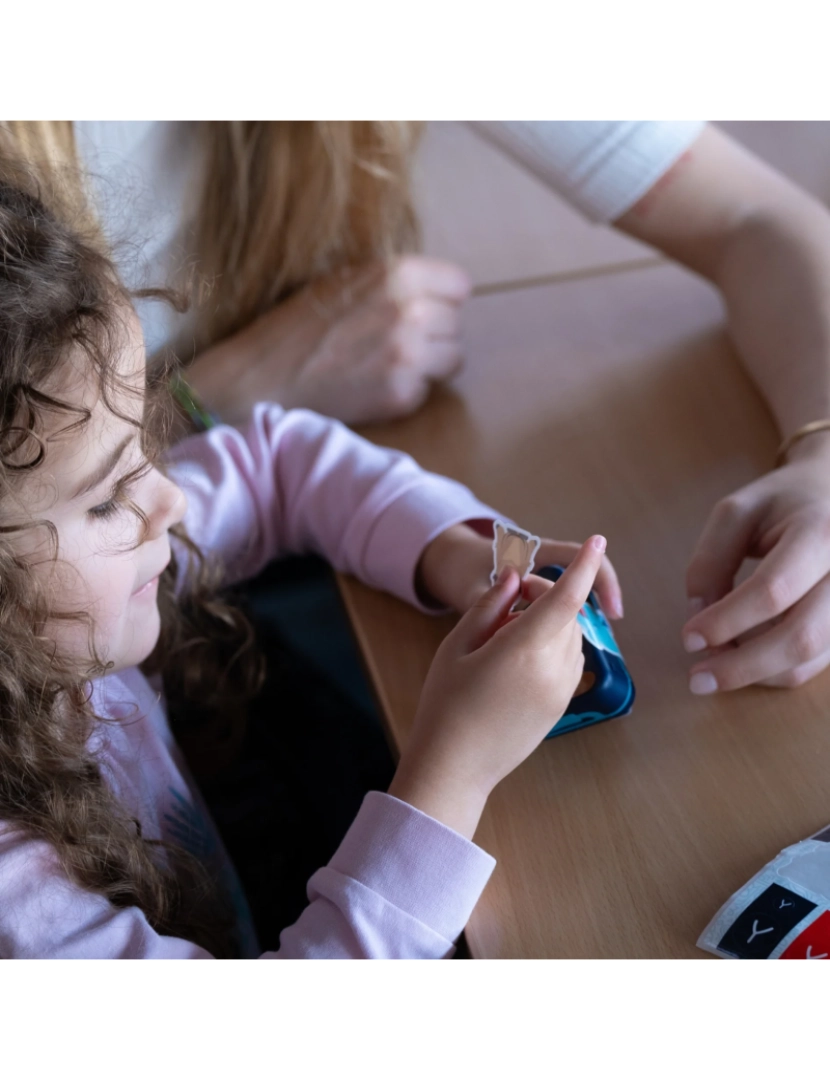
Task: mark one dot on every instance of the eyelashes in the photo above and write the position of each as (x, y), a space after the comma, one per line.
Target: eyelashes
(118, 498)
(105, 510)
(113, 504)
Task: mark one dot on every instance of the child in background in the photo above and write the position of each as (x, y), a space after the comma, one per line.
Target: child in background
(109, 615)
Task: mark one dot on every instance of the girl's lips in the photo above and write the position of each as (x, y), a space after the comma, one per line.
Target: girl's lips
(148, 587)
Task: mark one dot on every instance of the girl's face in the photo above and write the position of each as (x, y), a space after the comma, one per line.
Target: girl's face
(108, 563)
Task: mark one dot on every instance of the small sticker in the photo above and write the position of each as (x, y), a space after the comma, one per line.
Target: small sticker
(514, 547)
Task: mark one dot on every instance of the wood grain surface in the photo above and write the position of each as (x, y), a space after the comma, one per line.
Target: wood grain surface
(614, 405)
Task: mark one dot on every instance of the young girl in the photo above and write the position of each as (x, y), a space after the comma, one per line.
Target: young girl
(108, 612)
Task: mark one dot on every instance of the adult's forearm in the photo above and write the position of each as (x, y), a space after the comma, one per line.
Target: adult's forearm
(765, 243)
(775, 278)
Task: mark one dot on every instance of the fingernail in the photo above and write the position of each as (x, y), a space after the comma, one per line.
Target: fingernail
(694, 606)
(617, 608)
(693, 642)
(504, 574)
(703, 682)
(600, 543)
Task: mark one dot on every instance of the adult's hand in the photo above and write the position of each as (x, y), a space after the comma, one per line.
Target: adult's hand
(774, 628)
(363, 344)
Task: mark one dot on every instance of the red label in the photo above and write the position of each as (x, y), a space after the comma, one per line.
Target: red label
(812, 943)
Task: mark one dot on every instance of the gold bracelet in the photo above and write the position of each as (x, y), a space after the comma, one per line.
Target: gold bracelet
(789, 443)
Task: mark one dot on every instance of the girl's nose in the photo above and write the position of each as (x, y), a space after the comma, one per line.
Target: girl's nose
(169, 506)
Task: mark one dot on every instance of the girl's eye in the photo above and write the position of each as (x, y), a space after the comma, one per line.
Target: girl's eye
(104, 510)
(113, 504)
(119, 496)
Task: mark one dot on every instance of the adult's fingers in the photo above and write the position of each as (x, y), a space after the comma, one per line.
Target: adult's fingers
(798, 641)
(794, 566)
(607, 584)
(430, 358)
(560, 605)
(428, 338)
(721, 548)
(482, 620)
(417, 275)
(797, 676)
(442, 359)
(431, 317)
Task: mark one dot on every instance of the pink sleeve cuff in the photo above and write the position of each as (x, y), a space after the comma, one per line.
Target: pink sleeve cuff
(421, 867)
(410, 522)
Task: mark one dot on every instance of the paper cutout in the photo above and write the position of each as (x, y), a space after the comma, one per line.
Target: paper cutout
(514, 547)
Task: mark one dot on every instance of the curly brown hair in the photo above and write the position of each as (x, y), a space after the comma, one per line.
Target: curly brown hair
(60, 295)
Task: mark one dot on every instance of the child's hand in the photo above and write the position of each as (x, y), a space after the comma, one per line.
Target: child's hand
(455, 570)
(495, 689)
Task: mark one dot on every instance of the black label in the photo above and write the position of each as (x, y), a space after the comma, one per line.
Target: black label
(766, 922)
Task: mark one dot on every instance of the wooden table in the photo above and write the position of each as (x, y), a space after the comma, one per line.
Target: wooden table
(613, 403)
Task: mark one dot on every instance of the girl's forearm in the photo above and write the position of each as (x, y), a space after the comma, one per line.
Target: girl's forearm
(452, 800)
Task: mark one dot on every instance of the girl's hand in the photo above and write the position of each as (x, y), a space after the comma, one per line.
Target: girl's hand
(454, 570)
(495, 689)
(363, 344)
(774, 628)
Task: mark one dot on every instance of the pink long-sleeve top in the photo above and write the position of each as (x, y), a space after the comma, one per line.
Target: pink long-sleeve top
(401, 884)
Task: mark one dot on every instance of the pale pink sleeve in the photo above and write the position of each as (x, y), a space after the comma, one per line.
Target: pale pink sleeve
(44, 915)
(400, 885)
(298, 482)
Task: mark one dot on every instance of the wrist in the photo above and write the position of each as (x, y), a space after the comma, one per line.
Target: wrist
(453, 566)
(210, 375)
(450, 799)
(226, 379)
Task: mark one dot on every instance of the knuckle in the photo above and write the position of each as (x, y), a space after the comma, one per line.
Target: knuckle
(805, 643)
(730, 508)
(790, 680)
(400, 353)
(733, 677)
(774, 593)
(735, 670)
(418, 313)
(572, 602)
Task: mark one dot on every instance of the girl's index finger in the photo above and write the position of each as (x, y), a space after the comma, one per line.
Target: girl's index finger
(607, 585)
(553, 610)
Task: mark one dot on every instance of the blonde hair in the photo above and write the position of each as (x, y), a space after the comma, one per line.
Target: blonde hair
(282, 203)
(47, 150)
(286, 202)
